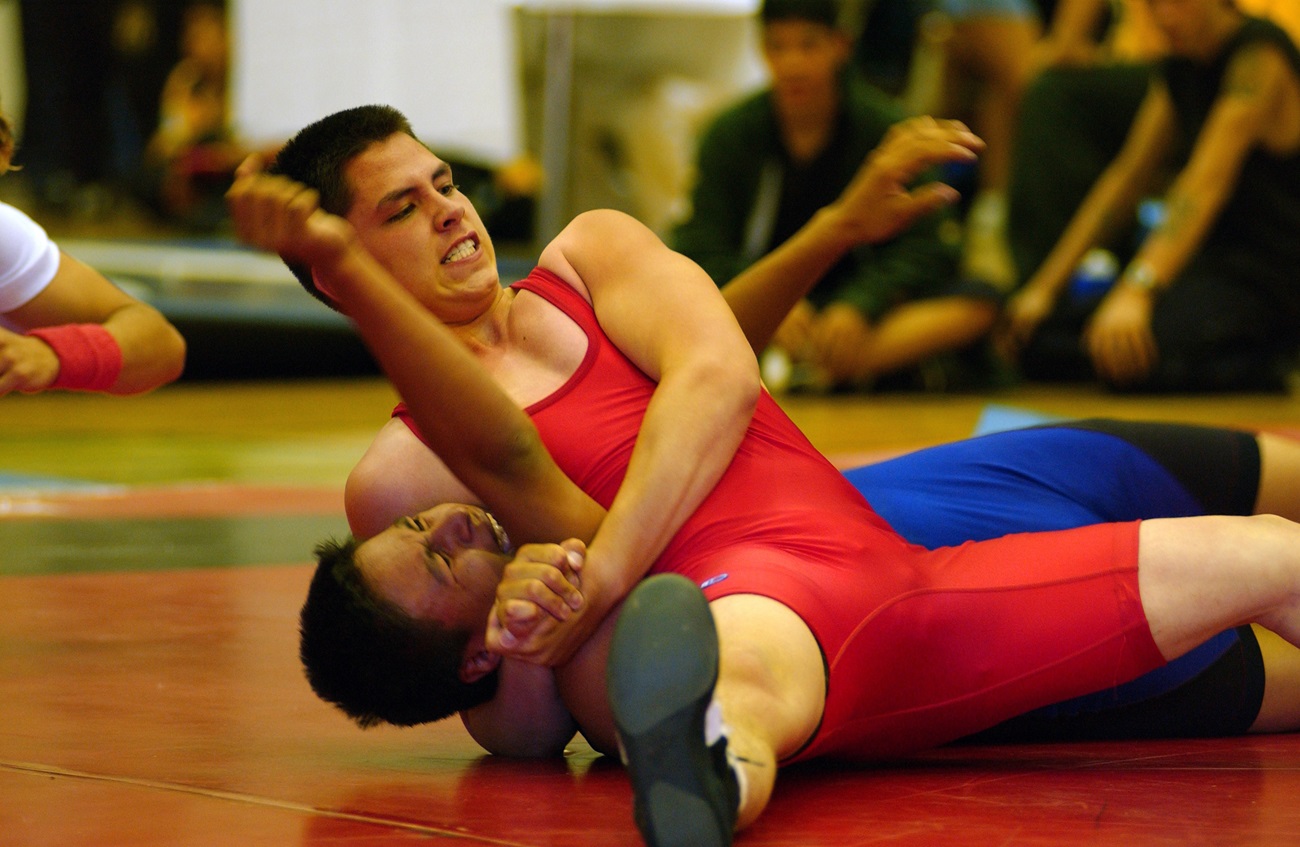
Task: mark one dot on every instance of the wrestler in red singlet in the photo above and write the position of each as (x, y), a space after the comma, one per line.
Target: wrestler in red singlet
(922, 647)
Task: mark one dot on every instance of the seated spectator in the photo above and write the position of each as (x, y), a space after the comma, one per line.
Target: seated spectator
(191, 158)
(1208, 302)
(1091, 73)
(768, 165)
(987, 64)
(63, 325)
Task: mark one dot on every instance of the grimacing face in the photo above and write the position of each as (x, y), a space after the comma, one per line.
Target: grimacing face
(410, 215)
(441, 565)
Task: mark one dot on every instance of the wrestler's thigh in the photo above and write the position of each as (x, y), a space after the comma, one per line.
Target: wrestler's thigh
(1200, 575)
(771, 677)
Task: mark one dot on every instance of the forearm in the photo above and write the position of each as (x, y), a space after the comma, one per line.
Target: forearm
(153, 352)
(1110, 203)
(666, 316)
(149, 349)
(762, 296)
(690, 432)
(1189, 213)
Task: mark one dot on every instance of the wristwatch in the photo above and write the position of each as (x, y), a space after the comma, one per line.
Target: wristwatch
(1140, 276)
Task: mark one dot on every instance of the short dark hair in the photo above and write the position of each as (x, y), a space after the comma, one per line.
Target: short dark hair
(825, 12)
(369, 658)
(317, 155)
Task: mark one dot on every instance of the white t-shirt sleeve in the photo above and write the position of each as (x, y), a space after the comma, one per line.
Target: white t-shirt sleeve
(28, 258)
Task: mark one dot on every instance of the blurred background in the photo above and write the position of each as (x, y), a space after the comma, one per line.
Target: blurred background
(131, 115)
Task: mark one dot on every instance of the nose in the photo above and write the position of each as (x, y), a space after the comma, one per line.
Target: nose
(447, 213)
(455, 531)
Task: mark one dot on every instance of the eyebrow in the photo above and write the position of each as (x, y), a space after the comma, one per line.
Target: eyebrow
(442, 170)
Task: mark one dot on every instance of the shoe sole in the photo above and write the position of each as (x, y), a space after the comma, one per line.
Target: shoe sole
(663, 664)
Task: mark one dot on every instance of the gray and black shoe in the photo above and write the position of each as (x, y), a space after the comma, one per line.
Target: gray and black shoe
(663, 664)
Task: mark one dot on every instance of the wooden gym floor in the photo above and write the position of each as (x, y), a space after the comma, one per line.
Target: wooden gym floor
(153, 555)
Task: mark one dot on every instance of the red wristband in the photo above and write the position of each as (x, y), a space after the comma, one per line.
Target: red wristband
(89, 357)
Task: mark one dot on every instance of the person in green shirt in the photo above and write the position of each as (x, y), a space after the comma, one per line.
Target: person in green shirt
(771, 162)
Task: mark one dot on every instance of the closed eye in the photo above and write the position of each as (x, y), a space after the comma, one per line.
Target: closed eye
(401, 214)
(440, 566)
(412, 522)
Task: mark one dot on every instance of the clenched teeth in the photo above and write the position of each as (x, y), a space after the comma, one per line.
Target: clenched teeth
(463, 250)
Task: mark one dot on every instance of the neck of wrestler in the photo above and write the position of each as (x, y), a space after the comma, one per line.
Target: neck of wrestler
(488, 330)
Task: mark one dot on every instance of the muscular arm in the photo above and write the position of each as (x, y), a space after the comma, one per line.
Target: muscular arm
(153, 352)
(526, 716)
(486, 440)
(664, 313)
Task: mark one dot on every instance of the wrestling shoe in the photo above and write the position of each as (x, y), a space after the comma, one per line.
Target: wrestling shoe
(663, 664)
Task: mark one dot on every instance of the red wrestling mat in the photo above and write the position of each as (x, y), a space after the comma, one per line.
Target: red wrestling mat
(165, 706)
(168, 708)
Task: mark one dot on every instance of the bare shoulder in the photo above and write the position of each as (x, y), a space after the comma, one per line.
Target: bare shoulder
(1260, 71)
(397, 476)
(1261, 96)
(597, 237)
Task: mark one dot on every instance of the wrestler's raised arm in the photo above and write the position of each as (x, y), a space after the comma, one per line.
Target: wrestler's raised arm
(486, 440)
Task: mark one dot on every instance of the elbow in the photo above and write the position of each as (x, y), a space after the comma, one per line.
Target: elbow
(748, 391)
(175, 352)
(163, 363)
(734, 381)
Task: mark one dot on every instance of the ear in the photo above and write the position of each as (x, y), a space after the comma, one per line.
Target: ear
(475, 666)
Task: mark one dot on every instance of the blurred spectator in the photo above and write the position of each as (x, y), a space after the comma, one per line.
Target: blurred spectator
(987, 64)
(769, 163)
(1209, 301)
(1093, 67)
(63, 325)
(968, 59)
(93, 70)
(191, 157)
